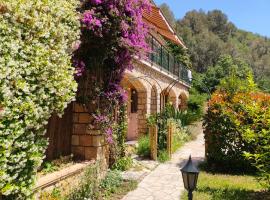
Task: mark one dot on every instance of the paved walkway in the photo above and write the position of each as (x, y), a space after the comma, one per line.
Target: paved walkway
(165, 182)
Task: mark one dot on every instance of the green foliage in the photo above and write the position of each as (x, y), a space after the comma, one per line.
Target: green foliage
(168, 14)
(89, 185)
(55, 194)
(258, 133)
(163, 156)
(196, 103)
(181, 54)
(179, 119)
(143, 148)
(121, 131)
(36, 80)
(123, 164)
(227, 187)
(55, 165)
(211, 35)
(180, 136)
(49, 167)
(226, 66)
(111, 182)
(238, 125)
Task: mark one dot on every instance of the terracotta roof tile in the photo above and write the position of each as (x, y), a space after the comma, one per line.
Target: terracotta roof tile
(159, 23)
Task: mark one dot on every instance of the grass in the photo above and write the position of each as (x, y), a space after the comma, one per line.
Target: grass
(228, 187)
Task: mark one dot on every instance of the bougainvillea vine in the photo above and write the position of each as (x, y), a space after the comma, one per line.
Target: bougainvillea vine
(113, 32)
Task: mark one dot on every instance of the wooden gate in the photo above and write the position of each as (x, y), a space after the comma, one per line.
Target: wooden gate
(59, 131)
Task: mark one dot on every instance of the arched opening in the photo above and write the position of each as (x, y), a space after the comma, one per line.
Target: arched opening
(136, 107)
(167, 97)
(172, 98)
(182, 102)
(164, 99)
(153, 105)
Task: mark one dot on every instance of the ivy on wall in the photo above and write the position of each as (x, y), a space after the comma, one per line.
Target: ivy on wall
(36, 80)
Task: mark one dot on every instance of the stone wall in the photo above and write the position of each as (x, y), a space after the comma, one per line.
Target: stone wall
(66, 180)
(88, 143)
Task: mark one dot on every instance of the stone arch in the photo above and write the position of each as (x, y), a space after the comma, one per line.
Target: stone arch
(154, 100)
(163, 98)
(172, 98)
(136, 111)
(168, 97)
(182, 101)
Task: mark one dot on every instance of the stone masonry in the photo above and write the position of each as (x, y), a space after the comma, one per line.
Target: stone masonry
(88, 143)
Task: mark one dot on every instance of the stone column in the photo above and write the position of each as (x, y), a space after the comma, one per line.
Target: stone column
(87, 143)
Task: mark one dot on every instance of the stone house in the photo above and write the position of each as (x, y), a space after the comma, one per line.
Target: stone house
(152, 83)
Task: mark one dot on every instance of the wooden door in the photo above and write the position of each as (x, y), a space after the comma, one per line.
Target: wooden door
(132, 126)
(59, 131)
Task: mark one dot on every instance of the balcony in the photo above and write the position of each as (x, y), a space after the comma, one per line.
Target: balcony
(167, 62)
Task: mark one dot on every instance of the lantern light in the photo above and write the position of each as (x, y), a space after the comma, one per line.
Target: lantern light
(190, 175)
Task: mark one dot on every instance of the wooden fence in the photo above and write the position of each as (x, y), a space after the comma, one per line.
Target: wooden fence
(153, 134)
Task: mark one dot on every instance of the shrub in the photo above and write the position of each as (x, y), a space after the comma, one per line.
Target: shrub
(111, 182)
(196, 102)
(235, 126)
(170, 114)
(180, 136)
(163, 156)
(123, 164)
(89, 185)
(36, 80)
(144, 146)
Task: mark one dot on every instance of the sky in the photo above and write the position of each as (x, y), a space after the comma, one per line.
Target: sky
(249, 15)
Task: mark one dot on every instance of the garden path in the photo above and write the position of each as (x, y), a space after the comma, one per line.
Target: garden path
(165, 182)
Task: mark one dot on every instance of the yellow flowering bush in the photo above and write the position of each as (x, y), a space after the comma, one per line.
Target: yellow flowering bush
(36, 80)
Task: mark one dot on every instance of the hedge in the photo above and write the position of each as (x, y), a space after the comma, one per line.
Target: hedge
(36, 80)
(237, 131)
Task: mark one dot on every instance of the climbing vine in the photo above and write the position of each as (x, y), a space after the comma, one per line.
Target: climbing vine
(36, 80)
(113, 32)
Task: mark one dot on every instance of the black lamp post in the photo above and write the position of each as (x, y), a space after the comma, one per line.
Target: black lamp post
(190, 175)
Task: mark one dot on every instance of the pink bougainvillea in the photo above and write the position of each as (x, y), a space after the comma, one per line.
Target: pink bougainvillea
(113, 32)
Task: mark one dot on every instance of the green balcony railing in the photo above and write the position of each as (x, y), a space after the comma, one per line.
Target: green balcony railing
(166, 61)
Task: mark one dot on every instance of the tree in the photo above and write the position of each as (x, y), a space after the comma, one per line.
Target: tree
(180, 54)
(225, 67)
(168, 14)
(211, 35)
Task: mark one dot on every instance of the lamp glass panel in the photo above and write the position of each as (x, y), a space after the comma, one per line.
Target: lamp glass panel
(185, 179)
(192, 179)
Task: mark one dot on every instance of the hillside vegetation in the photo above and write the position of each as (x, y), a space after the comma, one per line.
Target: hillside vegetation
(210, 35)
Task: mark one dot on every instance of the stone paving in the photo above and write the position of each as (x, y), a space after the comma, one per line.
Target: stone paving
(165, 181)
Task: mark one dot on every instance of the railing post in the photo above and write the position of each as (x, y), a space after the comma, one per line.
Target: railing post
(153, 133)
(152, 48)
(168, 57)
(161, 56)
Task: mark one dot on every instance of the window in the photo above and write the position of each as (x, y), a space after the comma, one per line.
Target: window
(134, 101)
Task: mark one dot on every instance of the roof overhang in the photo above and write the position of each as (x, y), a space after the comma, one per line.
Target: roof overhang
(157, 21)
